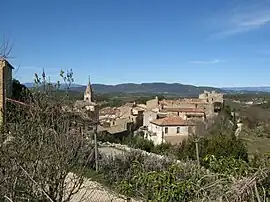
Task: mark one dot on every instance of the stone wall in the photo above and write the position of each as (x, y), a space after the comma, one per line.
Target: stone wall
(5, 85)
(211, 97)
(151, 104)
(126, 148)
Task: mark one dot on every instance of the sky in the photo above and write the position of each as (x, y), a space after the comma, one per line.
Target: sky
(200, 42)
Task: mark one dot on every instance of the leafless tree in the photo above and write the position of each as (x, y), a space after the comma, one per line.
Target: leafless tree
(6, 48)
(42, 152)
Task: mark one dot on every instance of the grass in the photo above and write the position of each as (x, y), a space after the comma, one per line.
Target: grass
(256, 144)
(92, 174)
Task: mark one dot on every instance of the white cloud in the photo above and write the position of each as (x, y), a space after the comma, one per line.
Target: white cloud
(205, 62)
(243, 18)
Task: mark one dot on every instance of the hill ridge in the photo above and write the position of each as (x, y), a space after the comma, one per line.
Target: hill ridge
(150, 87)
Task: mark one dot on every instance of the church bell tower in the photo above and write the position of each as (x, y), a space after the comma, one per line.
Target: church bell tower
(88, 94)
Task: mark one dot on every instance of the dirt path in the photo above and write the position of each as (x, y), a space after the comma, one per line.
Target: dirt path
(92, 191)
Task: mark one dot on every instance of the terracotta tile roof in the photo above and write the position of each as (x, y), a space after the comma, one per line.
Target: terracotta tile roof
(139, 109)
(193, 110)
(193, 100)
(171, 121)
(142, 106)
(129, 104)
(109, 111)
(196, 114)
(185, 100)
(167, 101)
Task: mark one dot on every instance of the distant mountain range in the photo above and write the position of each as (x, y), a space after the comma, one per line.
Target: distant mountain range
(155, 88)
(249, 89)
(160, 88)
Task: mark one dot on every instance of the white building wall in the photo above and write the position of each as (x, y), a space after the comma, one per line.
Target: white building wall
(148, 116)
(156, 132)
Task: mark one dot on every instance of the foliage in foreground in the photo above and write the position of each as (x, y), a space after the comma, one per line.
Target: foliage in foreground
(155, 179)
(40, 147)
(230, 176)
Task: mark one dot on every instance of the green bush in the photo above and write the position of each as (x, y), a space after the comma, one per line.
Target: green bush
(107, 137)
(155, 179)
(228, 165)
(220, 145)
(163, 149)
(139, 142)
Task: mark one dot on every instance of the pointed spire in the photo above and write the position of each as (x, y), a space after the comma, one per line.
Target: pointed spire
(88, 94)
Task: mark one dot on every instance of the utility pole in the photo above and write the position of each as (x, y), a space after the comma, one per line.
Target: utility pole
(197, 151)
(5, 109)
(96, 146)
(162, 135)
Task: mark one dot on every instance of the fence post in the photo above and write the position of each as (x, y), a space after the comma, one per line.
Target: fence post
(96, 147)
(197, 151)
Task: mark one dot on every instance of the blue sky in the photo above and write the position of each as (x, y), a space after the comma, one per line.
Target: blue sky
(201, 42)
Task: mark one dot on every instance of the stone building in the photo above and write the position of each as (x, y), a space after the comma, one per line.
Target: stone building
(88, 103)
(206, 106)
(127, 117)
(5, 85)
(215, 101)
(170, 129)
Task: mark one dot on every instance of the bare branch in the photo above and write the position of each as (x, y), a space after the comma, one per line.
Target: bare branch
(6, 48)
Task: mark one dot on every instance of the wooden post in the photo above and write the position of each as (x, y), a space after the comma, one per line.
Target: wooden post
(162, 135)
(96, 147)
(197, 151)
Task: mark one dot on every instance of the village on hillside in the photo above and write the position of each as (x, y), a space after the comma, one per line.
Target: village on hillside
(162, 121)
(135, 101)
(158, 122)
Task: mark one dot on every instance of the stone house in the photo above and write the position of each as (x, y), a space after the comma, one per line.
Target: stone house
(171, 129)
(128, 117)
(186, 113)
(182, 103)
(5, 85)
(151, 104)
(206, 106)
(150, 115)
(215, 101)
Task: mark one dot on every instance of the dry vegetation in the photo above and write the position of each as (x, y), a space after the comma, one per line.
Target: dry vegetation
(40, 146)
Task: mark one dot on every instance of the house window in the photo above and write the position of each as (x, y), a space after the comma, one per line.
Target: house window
(178, 130)
(113, 123)
(166, 130)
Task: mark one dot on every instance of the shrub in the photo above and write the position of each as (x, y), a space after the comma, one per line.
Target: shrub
(40, 148)
(219, 145)
(155, 179)
(139, 142)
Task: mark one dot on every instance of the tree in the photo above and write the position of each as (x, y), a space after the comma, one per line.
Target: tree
(218, 140)
(19, 91)
(42, 151)
(5, 48)
(254, 116)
